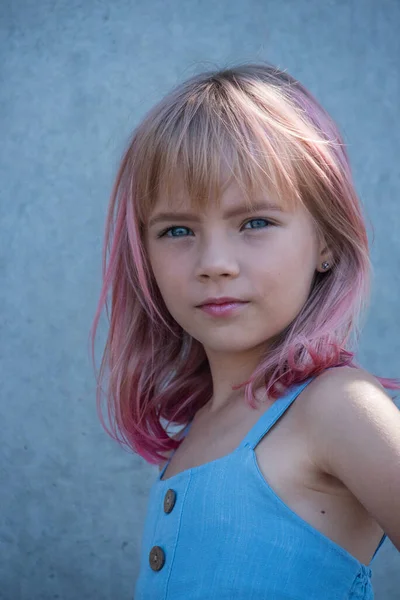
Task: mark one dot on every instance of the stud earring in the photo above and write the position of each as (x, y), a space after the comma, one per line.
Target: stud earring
(325, 265)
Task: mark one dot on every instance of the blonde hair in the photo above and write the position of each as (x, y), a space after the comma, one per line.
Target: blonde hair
(272, 135)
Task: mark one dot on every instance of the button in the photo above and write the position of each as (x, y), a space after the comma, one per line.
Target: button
(156, 558)
(169, 501)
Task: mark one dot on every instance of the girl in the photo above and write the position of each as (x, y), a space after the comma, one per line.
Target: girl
(239, 269)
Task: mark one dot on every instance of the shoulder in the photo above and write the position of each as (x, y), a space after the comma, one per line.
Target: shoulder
(344, 399)
(345, 388)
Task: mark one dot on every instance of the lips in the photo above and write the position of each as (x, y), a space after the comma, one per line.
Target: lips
(222, 300)
(224, 309)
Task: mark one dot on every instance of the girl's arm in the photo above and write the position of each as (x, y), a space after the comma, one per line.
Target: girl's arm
(355, 431)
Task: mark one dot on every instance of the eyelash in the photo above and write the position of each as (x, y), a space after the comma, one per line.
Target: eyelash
(165, 231)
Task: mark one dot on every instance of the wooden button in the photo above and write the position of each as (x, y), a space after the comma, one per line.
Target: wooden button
(156, 558)
(169, 501)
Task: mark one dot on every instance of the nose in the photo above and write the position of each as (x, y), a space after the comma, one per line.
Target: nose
(217, 259)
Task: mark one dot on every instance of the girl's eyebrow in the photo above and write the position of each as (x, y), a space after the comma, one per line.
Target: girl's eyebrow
(232, 212)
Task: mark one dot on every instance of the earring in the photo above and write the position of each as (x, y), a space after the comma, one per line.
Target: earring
(325, 265)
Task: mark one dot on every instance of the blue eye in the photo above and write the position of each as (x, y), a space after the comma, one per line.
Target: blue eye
(172, 229)
(178, 231)
(257, 221)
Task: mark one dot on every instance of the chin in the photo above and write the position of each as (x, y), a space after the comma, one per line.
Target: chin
(230, 345)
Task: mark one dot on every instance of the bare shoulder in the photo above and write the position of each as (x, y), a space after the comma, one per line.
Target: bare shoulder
(346, 400)
(343, 389)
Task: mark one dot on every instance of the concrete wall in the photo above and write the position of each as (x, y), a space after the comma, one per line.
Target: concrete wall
(75, 79)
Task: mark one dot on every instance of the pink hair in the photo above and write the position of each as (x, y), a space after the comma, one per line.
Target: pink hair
(272, 133)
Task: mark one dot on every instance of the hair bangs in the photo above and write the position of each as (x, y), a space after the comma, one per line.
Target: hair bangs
(212, 141)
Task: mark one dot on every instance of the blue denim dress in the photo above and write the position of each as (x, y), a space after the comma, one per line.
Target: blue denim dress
(218, 531)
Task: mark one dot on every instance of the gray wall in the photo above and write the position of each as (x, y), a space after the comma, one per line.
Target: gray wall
(75, 79)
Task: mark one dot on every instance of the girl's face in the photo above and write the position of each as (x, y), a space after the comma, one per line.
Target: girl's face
(267, 258)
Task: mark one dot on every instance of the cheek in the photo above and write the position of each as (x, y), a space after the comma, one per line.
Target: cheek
(171, 283)
(284, 284)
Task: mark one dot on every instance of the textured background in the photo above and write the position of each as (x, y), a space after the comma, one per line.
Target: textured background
(75, 79)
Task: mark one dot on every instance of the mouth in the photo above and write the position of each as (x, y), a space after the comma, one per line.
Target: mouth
(221, 300)
(223, 309)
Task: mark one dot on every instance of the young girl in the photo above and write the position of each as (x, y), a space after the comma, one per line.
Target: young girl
(239, 270)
